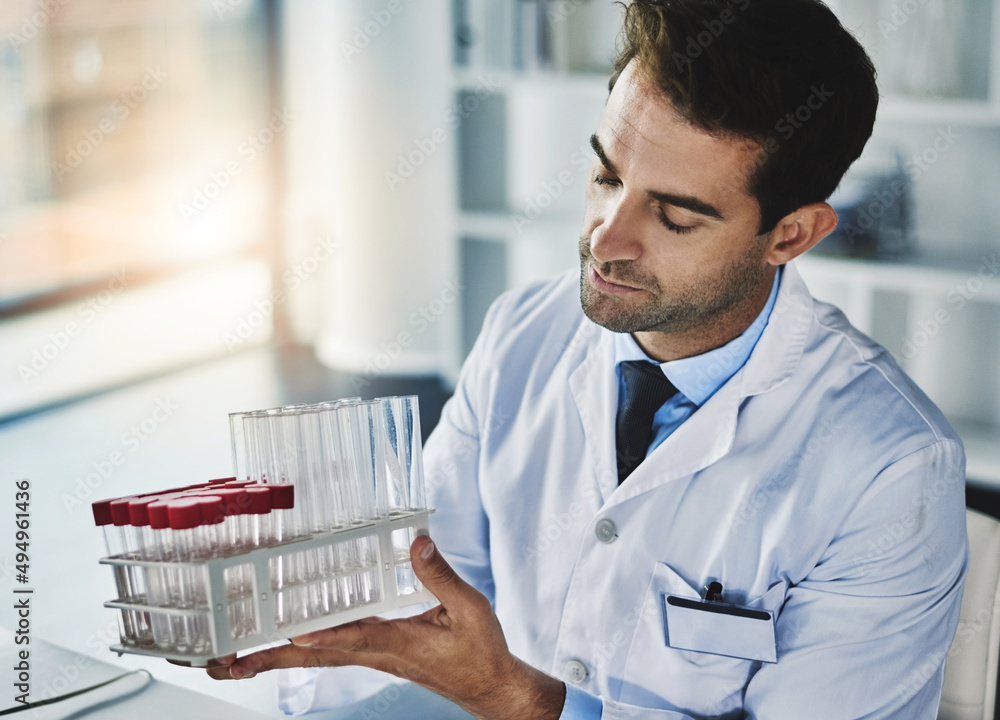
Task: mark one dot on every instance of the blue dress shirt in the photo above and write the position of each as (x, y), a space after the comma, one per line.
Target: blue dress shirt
(696, 378)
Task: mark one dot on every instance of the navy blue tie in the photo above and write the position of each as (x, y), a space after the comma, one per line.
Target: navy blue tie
(646, 389)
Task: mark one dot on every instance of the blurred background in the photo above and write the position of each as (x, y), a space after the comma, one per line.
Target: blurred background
(217, 205)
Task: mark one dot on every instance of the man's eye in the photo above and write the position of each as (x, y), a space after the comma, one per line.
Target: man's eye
(672, 226)
(601, 180)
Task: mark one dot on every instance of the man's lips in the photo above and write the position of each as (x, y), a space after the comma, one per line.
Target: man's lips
(611, 288)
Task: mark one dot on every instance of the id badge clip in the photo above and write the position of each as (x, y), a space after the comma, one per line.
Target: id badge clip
(715, 626)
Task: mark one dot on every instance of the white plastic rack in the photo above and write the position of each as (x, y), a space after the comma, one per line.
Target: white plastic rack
(350, 593)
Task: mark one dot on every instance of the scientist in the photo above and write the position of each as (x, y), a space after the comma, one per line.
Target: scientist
(687, 488)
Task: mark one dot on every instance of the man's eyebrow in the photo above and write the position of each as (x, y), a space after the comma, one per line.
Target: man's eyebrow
(688, 202)
(599, 149)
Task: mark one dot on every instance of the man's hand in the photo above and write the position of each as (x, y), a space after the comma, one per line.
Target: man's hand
(456, 649)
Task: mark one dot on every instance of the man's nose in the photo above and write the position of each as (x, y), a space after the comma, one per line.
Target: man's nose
(614, 236)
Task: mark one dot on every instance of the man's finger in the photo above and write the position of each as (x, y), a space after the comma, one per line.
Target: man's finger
(438, 576)
(371, 635)
(283, 656)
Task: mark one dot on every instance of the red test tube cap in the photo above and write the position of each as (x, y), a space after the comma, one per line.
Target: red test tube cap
(159, 519)
(119, 511)
(235, 501)
(138, 510)
(219, 481)
(282, 496)
(102, 512)
(260, 500)
(184, 514)
(211, 509)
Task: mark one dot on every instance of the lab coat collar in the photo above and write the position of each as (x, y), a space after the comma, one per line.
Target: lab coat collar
(783, 341)
(708, 434)
(594, 386)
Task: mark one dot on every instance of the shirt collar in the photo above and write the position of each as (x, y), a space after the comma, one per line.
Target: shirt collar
(700, 376)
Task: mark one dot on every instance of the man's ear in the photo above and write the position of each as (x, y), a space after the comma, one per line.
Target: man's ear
(800, 230)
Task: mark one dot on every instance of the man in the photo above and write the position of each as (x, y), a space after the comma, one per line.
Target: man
(710, 546)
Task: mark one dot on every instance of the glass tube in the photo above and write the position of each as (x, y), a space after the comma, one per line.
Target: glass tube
(114, 548)
(161, 549)
(191, 630)
(400, 424)
(136, 582)
(240, 447)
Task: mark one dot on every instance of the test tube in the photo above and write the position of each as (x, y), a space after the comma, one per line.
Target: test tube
(114, 548)
(401, 417)
(358, 447)
(191, 630)
(213, 538)
(122, 519)
(316, 470)
(210, 534)
(235, 504)
(320, 458)
(240, 447)
(282, 502)
(255, 438)
(157, 578)
(259, 508)
(404, 468)
(338, 473)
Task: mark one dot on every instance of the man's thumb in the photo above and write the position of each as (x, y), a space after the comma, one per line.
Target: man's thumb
(436, 574)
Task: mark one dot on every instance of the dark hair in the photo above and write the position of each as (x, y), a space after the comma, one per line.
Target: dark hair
(784, 74)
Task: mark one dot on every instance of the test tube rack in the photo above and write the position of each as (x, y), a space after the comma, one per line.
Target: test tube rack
(263, 604)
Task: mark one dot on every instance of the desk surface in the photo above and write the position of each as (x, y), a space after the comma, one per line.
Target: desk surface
(57, 671)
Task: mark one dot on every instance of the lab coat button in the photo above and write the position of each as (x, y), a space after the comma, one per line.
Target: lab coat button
(606, 531)
(576, 672)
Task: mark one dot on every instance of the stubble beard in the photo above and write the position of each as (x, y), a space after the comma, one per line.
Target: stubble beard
(687, 307)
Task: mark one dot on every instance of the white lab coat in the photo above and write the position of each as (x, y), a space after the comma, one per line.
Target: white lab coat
(818, 483)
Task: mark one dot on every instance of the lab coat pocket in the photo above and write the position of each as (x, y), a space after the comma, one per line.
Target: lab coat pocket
(701, 683)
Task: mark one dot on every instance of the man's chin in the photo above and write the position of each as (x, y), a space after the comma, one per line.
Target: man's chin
(613, 319)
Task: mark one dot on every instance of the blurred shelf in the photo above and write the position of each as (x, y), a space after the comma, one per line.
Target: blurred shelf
(910, 275)
(957, 112)
(484, 224)
(470, 79)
